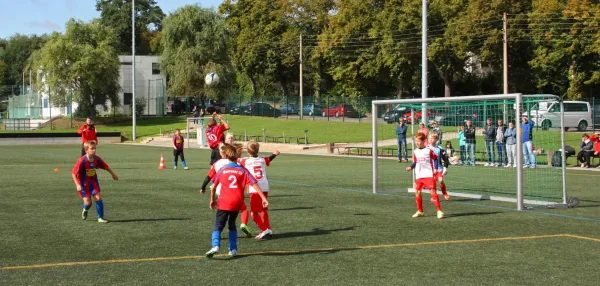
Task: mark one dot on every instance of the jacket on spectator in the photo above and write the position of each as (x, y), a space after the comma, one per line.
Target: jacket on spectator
(490, 133)
(470, 134)
(510, 135)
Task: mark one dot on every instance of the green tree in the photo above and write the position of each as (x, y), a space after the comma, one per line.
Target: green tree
(117, 15)
(194, 42)
(257, 48)
(82, 62)
(17, 50)
(566, 55)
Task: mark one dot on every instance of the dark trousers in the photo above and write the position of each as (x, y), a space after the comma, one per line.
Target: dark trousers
(584, 157)
(461, 151)
(215, 155)
(178, 152)
(225, 217)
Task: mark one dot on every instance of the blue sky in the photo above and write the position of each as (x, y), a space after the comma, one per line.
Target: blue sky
(45, 16)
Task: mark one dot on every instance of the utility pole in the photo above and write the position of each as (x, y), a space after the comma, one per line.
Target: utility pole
(133, 64)
(301, 90)
(505, 63)
(424, 78)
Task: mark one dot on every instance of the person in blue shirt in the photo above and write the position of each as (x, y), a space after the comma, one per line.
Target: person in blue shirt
(527, 138)
(462, 142)
(402, 147)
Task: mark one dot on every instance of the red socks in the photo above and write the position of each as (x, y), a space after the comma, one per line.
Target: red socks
(443, 187)
(261, 221)
(436, 201)
(244, 215)
(419, 200)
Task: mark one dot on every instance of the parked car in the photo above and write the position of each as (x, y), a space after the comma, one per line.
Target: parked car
(262, 109)
(394, 115)
(596, 116)
(288, 108)
(311, 109)
(418, 115)
(578, 114)
(338, 110)
(239, 110)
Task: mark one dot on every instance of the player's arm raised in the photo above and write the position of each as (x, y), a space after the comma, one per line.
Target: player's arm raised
(225, 124)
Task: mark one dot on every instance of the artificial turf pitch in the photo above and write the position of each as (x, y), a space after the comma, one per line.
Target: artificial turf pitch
(329, 228)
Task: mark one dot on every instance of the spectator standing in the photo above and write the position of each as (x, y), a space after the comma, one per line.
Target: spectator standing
(501, 144)
(490, 137)
(423, 129)
(88, 133)
(470, 143)
(462, 142)
(510, 136)
(527, 138)
(402, 147)
(437, 130)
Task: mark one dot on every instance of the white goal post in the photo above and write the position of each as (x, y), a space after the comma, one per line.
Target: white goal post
(516, 100)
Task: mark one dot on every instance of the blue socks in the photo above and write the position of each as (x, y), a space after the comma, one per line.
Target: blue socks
(183, 163)
(100, 208)
(87, 208)
(233, 240)
(175, 164)
(216, 238)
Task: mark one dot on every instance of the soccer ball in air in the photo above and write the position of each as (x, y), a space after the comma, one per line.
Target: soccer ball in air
(211, 79)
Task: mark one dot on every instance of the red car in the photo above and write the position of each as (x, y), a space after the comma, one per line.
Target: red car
(338, 110)
(418, 115)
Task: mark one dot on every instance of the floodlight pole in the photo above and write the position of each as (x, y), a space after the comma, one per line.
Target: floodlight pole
(133, 64)
(424, 61)
(301, 90)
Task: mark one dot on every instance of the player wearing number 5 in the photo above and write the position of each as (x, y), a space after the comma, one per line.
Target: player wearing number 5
(257, 166)
(233, 180)
(215, 134)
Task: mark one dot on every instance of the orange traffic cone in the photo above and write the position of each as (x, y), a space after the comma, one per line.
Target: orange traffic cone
(162, 162)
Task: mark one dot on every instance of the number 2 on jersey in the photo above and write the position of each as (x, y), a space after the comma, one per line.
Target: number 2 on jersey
(232, 182)
(258, 173)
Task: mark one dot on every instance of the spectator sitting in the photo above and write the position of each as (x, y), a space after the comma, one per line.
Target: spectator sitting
(587, 150)
(596, 139)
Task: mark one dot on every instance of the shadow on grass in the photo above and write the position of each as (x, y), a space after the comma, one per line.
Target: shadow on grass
(149, 219)
(314, 232)
(293, 209)
(471, 214)
(281, 196)
(361, 214)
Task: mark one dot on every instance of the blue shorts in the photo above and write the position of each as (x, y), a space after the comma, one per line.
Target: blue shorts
(91, 188)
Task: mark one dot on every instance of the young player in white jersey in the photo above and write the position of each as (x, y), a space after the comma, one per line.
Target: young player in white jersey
(257, 166)
(425, 166)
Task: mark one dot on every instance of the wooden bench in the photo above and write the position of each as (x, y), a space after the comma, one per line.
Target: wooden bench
(297, 138)
(360, 151)
(274, 139)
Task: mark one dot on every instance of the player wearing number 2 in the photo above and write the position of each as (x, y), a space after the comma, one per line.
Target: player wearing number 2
(233, 180)
(257, 166)
(215, 134)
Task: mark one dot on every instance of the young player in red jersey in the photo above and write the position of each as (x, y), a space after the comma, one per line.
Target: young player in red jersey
(88, 133)
(86, 180)
(424, 164)
(257, 166)
(215, 134)
(178, 150)
(442, 163)
(233, 179)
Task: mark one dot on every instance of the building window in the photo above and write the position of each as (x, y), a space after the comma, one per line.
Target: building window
(45, 102)
(155, 68)
(126, 63)
(127, 98)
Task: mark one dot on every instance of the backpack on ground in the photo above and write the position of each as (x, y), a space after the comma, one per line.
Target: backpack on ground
(557, 159)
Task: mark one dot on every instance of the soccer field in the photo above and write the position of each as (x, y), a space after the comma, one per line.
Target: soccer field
(328, 228)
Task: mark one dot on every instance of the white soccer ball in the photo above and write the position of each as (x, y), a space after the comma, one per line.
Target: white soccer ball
(211, 79)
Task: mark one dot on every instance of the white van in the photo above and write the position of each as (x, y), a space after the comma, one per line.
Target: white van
(578, 114)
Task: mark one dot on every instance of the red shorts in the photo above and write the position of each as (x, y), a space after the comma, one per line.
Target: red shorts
(425, 183)
(256, 202)
(438, 175)
(89, 191)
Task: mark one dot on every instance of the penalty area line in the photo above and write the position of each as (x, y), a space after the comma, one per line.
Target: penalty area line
(292, 252)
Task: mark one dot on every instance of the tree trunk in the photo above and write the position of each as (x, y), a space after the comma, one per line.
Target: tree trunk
(448, 78)
(253, 84)
(400, 90)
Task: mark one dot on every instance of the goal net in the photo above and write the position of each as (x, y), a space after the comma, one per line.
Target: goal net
(490, 165)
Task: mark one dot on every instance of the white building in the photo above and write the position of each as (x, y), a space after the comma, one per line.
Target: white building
(150, 85)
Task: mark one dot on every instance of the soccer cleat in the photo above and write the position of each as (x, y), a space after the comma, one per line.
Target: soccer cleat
(101, 220)
(174, 167)
(418, 214)
(263, 234)
(233, 253)
(186, 168)
(84, 214)
(440, 214)
(268, 231)
(246, 230)
(212, 252)
(447, 197)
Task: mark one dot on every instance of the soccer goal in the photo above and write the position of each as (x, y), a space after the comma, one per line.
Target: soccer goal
(194, 132)
(483, 167)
